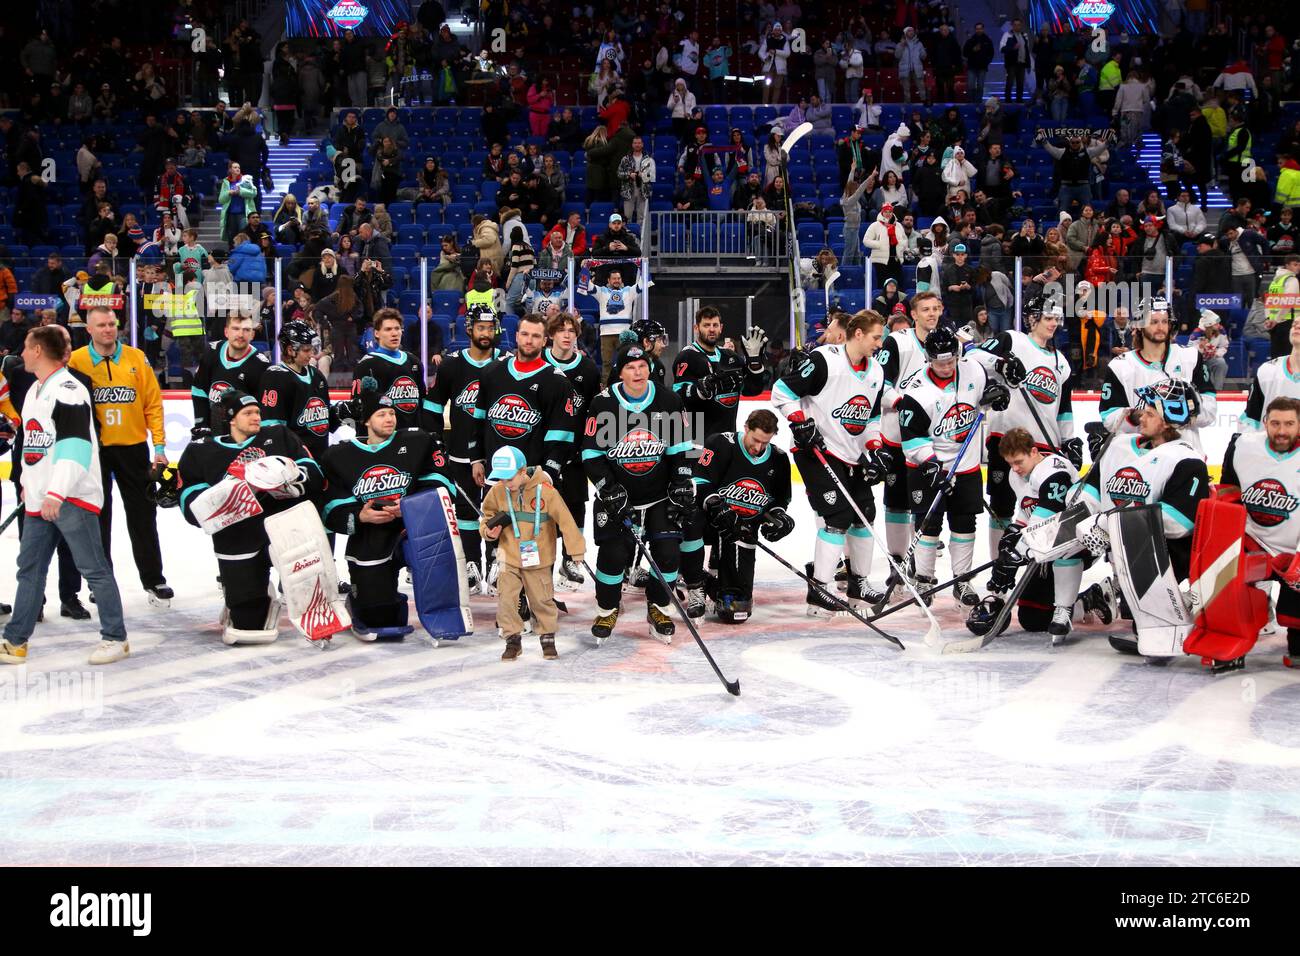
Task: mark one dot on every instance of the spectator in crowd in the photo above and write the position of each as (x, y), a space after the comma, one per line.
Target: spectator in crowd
(1212, 344)
(774, 54)
(1016, 49)
(910, 56)
(946, 61)
(978, 54)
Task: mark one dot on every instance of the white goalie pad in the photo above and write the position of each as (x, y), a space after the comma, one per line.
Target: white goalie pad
(1057, 536)
(304, 560)
(1141, 558)
(229, 501)
(277, 475)
(270, 629)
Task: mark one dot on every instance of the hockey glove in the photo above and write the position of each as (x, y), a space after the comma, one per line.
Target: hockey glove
(612, 500)
(777, 524)
(879, 464)
(721, 516)
(1012, 371)
(6, 434)
(1073, 448)
(934, 477)
(996, 396)
(707, 387)
(1003, 578)
(1096, 439)
(1009, 551)
(731, 380)
(752, 344)
(199, 432)
(681, 501)
(807, 435)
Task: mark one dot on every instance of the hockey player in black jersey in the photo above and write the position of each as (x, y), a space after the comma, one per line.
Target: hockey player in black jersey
(233, 363)
(366, 480)
(295, 394)
(653, 339)
(563, 331)
(400, 374)
(634, 448)
(451, 402)
(525, 402)
(229, 486)
(710, 379)
(742, 486)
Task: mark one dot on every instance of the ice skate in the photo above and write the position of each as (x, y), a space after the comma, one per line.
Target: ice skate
(693, 598)
(570, 577)
(923, 584)
(1099, 601)
(489, 586)
(1060, 626)
(964, 593)
(820, 602)
(843, 575)
(661, 625)
(861, 595)
(604, 624)
(160, 596)
(637, 578)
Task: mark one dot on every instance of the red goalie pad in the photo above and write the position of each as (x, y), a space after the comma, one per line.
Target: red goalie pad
(1231, 611)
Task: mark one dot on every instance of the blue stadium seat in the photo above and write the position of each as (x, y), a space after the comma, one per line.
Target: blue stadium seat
(704, 237)
(400, 211)
(428, 215)
(410, 235)
(446, 301)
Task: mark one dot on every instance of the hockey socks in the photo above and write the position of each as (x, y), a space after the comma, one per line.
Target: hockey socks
(862, 546)
(898, 531)
(927, 549)
(963, 552)
(827, 553)
(997, 526)
(1067, 578)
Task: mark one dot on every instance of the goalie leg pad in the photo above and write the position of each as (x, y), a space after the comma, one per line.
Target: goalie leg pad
(303, 558)
(1225, 564)
(254, 621)
(1142, 566)
(432, 550)
(385, 622)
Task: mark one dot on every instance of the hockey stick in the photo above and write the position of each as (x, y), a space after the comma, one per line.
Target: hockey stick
(943, 492)
(1029, 403)
(934, 590)
(932, 633)
(733, 687)
(813, 583)
(13, 516)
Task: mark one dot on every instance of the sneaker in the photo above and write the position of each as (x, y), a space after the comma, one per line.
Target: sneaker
(74, 609)
(661, 625)
(861, 595)
(160, 595)
(603, 626)
(13, 653)
(514, 646)
(1099, 601)
(570, 577)
(965, 594)
(1060, 626)
(109, 652)
(548, 647)
(693, 598)
(473, 577)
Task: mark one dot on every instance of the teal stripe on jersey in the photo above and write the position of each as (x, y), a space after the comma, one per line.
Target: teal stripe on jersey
(198, 392)
(557, 435)
(590, 453)
(192, 490)
(1171, 512)
(913, 443)
(680, 448)
(435, 407)
(780, 389)
(336, 503)
(73, 449)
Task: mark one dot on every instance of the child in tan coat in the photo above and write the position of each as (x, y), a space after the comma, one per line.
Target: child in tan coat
(524, 513)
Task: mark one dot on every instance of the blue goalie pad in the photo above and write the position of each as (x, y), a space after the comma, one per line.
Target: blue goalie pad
(390, 630)
(433, 552)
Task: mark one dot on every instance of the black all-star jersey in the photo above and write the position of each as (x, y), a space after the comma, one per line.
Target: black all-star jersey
(640, 444)
(532, 411)
(453, 398)
(217, 372)
(301, 402)
(719, 412)
(401, 377)
(357, 473)
(207, 461)
(584, 379)
(748, 485)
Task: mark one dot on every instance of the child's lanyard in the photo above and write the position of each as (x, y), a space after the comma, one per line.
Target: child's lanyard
(537, 512)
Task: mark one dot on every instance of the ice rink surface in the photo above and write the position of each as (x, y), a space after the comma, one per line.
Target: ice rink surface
(841, 749)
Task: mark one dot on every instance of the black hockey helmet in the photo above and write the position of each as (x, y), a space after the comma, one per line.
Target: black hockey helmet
(482, 313)
(1039, 306)
(648, 329)
(296, 333)
(166, 491)
(925, 245)
(942, 343)
(1173, 399)
(984, 615)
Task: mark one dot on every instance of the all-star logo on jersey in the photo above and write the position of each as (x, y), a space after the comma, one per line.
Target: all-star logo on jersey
(468, 396)
(1028, 504)
(217, 390)
(956, 422)
(315, 416)
(638, 452)
(512, 417)
(1128, 486)
(380, 481)
(113, 394)
(1268, 503)
(37, 442)
(854, 414)
(747, 496)
(1041, 383)
(405, 394)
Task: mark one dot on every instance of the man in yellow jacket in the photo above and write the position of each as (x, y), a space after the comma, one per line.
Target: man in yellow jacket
(128, 406)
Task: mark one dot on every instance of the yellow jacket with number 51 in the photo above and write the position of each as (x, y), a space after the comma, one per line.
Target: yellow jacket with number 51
(125, 395)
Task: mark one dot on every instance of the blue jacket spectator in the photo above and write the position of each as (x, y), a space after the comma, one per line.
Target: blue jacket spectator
(247, 263)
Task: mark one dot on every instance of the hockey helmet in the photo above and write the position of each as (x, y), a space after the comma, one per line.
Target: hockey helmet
(295, 334)
(984, 615)
(941, 344)
(924, 245)
(483, 313)
(648, 329)
(1148, 307)
(1173, 398)
(165, 492)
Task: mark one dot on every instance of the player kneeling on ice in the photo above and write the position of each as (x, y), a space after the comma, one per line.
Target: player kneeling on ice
(634, 448)
(936, 415)
(1038, 484)
(833, 403)
(1253, 525)
(230, 486)
(1150, 547)
(366, 481)
(742, 485)
(523, 513)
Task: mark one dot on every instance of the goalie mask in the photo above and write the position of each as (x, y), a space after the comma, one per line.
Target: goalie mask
(1147, 308)
(1171, 398)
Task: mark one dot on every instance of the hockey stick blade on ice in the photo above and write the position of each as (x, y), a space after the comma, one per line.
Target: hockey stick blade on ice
(829, 595)
(928, 592)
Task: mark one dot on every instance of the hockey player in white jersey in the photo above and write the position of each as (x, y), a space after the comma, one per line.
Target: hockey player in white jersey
(1276, 378)
(833, 402)
(938, 409)
(1035, 372)
(1155, 466)
(1155, 358)
(1039, 484)
(901, 356)
(1263, 470)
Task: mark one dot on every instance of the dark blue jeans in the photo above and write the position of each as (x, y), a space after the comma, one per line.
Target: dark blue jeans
(80, 529)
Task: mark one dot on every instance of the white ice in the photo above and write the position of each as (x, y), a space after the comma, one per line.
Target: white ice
(841, 749)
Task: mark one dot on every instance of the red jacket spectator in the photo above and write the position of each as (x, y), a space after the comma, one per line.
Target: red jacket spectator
(575, 234)
(615, 113)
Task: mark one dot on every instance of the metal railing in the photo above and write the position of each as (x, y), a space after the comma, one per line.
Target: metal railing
(709, 241)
